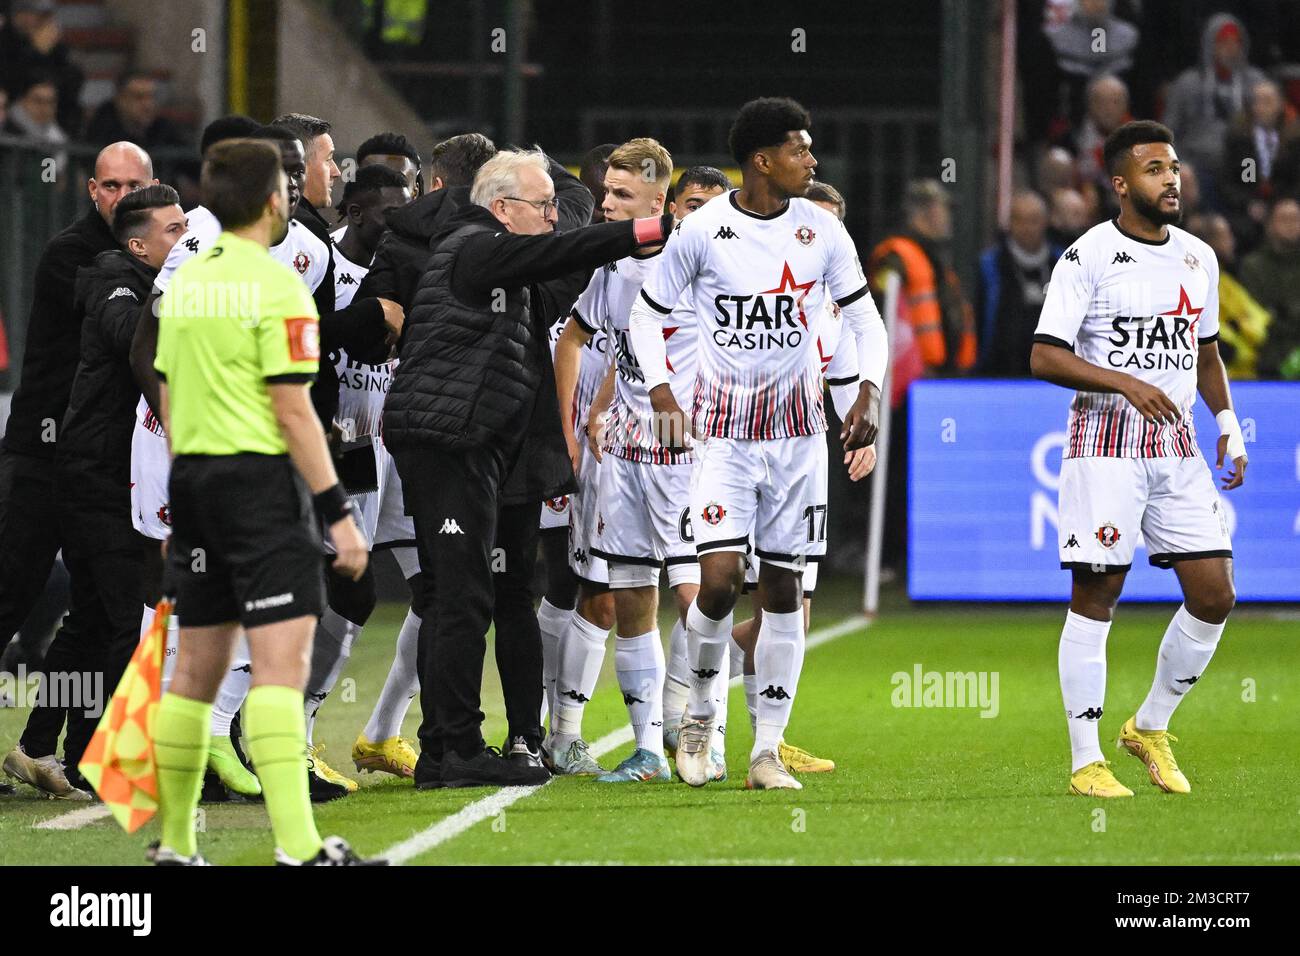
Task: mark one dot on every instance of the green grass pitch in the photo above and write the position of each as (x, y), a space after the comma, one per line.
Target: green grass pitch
(914, 784)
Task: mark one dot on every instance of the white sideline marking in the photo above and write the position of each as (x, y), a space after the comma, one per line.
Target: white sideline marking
(489, 806)
(75, 819)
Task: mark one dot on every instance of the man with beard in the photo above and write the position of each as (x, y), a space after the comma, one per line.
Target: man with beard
(1131, 322)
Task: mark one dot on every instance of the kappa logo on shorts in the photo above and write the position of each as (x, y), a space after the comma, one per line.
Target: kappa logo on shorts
(805, 235)
(600, 523)
(558, 504)
(304, 338)
(713, 513)
(1108, 535)
(450, 526)
(1072, 542)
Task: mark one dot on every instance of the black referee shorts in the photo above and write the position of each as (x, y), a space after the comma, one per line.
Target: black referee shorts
(245, 544)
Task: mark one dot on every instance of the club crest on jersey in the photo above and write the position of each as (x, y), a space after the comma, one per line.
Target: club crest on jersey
(1192, 262)
(165, 515)
(713, 513)
(558, 505)
(805, 235)
(302, 262)
(1108, 535)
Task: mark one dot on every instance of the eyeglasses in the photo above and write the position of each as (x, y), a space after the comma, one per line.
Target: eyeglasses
(544, 206)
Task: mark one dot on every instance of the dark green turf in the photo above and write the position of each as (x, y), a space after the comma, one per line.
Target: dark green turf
(929, 785)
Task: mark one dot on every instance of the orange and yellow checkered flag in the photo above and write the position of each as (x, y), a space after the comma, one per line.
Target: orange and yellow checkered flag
(119, 762)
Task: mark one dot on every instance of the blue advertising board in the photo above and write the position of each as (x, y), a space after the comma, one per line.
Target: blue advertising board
(985, 462)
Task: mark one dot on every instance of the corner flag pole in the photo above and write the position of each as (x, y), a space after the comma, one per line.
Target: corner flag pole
(879, 477)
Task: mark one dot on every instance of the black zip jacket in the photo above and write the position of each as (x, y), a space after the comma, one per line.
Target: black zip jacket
(404, 250)
(101, 411)
(474, 376)
(53, 336)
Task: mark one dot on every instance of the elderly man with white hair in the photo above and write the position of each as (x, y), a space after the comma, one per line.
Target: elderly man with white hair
(474, 427)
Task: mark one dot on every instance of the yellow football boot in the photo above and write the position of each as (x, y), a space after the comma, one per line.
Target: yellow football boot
(1152, 748)
(326, 772)
(394, 755)
(1096, 780)
(801, 761)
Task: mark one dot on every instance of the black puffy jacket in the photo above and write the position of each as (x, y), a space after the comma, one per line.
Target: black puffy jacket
(404, 251)
(101, 412)
(475, 369)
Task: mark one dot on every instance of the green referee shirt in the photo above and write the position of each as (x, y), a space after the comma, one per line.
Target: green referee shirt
(232, 320)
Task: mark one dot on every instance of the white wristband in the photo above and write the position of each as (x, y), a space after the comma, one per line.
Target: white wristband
(1229, 426)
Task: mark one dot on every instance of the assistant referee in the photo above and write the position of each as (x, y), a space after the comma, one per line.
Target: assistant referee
(238, 346)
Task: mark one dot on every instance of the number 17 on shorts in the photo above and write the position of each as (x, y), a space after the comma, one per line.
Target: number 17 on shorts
(772, 488)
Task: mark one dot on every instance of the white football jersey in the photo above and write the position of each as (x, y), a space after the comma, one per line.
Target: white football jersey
(759, 287)
(362, 387)
(299, 250)
(595, 355)
(609, 299)
(1139, 307)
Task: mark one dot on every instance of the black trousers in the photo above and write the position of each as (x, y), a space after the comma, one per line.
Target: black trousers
(476, 563)
(107, 563)
(29, 536)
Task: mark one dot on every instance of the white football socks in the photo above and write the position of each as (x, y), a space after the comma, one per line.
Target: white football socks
(233, 690)
(751, 699)
(778, 659)
(400, 686)
(639, 662)
(1082, 665)
(331, 648)
(1185, 652)
(552, 621)
(721, 688)
(677, 681)
(706, 641)
(173, 638)
(582, 652)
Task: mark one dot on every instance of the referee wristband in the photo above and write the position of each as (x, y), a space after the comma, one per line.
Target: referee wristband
(332, 504)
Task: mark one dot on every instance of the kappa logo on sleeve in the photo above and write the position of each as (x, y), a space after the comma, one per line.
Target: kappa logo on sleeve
(304, 339)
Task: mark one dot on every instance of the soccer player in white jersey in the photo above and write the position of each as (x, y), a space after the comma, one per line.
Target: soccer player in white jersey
(582, 369)
(375, 190)
(695, 186)
(641, 519)
(1131, 321)
(151, 464)
(760, 263)
(838, 355)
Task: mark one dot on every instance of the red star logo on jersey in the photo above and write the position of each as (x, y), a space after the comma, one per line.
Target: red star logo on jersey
(668, 334)
(822, 356)
(1184, 308)
(789, 285)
